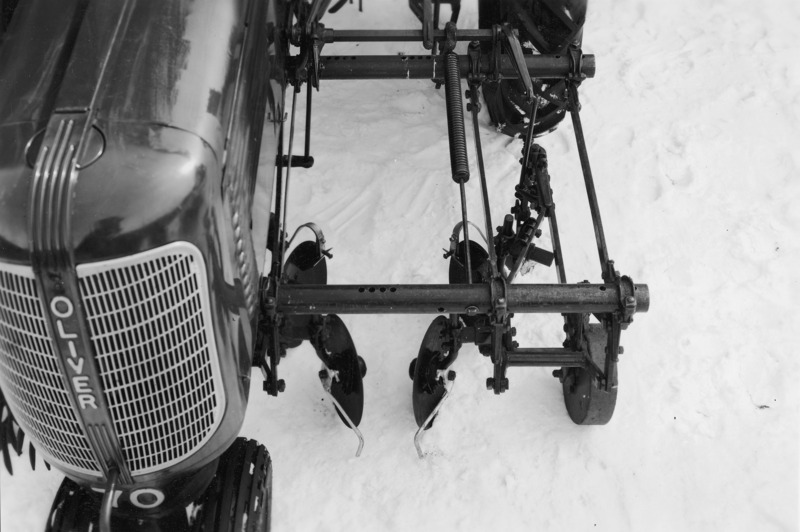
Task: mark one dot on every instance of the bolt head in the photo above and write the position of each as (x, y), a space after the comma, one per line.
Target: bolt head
(281, 385)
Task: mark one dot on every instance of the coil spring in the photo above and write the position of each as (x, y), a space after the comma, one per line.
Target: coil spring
(459, 163)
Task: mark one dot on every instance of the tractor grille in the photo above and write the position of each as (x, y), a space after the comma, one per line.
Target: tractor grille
(150, 326)
(29, 370)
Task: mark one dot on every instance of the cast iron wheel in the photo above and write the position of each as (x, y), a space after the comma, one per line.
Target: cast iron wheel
(240, 496)
(586, 402)
(77, 509)
(505, 98)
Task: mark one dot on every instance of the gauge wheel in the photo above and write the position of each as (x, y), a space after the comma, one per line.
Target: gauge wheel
(587, 402)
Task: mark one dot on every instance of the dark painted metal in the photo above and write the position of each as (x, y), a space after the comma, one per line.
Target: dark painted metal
(474, 108)
(444, 299)
(594, 207)
(432, 67)
(332, 36)
(167, 103)
(546, 356)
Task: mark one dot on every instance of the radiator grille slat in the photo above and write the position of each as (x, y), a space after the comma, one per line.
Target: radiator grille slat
(29, 370)
(149, 320)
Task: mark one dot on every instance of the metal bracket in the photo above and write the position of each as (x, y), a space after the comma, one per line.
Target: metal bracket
(267, 349)
(500, 327)
(474, 77)
(319, 238)
(612, 350)
(427, 24)
(576, 63)
(513, 45)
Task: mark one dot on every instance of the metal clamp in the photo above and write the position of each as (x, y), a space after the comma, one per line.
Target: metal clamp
(576, 64)
(627, 299)
(320, 238)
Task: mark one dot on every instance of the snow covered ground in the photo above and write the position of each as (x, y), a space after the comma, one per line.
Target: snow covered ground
(693, 125)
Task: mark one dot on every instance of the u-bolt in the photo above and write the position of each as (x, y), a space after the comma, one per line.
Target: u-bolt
(455, 119)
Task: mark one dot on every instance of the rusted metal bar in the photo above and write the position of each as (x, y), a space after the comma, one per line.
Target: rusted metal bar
(334, 36)
(432, 67)
(545, 357)
(458, 299)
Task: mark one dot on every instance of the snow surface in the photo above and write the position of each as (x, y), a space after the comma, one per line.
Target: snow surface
(693, 125)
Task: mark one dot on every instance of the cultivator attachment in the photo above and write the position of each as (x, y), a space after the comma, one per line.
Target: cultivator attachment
(482, 297)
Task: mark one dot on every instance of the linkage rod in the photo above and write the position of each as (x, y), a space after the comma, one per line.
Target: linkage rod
(461, 299)
(528, 146)
(487, 210)
(465, 221)
(277, 256)
(556, 237)
(589, 181)
(283, 229)
(432, 67)
(309, 93)
(333, 36)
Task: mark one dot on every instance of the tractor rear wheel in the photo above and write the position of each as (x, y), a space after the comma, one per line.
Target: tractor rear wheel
(77, 509)
(240, 495)
(6, 11)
